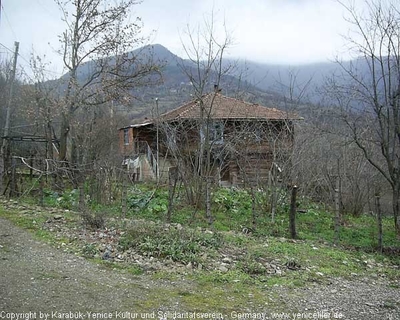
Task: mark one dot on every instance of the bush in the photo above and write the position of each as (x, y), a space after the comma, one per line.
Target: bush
(179, 245)
(93, 220)
(252, 267)
(150, 204)
(232, 200)
(67, 200)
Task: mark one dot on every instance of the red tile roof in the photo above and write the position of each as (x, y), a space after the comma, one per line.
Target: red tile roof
(218, 106)
(221, 107)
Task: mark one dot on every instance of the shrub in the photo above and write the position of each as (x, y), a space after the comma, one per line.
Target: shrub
(252, 267)
(89, 250)
(67, 200)
(150, 204)
(232, 200)
(93, 220)
(180, 245)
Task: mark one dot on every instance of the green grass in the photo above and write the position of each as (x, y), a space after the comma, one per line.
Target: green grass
(314, 252)
(231, 209)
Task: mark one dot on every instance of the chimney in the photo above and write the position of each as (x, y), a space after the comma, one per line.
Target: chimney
(216, 88)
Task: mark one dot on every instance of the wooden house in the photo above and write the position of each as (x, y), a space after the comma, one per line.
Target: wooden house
(235, 142)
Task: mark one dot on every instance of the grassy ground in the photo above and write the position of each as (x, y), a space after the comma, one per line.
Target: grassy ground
(311, 259)
(232, 212)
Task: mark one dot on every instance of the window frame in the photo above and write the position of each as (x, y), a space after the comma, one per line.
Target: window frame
(126, 137)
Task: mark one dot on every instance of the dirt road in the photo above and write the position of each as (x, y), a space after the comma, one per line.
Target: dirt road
(37, 277)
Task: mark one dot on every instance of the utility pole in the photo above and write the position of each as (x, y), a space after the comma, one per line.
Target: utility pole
(5, 146)
(158, 152)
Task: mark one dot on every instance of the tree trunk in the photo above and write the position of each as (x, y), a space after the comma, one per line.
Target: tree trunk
(64, 137)
(396, 209)
(13, 185)
(172, 180)
(208, 201)
(4, 165)
(82, 203)
(253, 209)
(271, 186)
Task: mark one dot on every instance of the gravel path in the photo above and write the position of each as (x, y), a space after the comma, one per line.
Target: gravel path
(35, 277)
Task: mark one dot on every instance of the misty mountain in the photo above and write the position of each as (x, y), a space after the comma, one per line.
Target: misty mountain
(174, 86)
(266, 84)
(279, 78)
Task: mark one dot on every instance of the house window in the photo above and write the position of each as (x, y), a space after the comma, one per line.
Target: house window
(215, 132)
(257, 134)
(126, 136)
(171, 138)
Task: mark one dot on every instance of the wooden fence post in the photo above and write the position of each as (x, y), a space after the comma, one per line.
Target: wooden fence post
(379, 220)
(337, 212)
(41, 183)
(124, 194)
(13, 184)
(292, 213)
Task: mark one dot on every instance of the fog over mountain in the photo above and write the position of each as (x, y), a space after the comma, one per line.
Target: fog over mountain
(266, 84)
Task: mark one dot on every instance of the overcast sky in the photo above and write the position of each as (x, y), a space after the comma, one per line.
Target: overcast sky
(272, 31)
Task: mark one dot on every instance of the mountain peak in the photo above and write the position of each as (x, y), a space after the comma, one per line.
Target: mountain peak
(159, 51)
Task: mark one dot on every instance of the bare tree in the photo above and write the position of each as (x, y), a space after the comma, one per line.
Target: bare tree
(205, 50)
(368, 90)
(95, 31)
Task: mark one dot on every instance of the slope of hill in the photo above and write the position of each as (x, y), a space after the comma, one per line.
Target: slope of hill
(175, 87)
(266, 84)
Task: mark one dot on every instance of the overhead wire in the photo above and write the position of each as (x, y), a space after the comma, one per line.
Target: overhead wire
(8, 21)
(19, 54)
(28, 62)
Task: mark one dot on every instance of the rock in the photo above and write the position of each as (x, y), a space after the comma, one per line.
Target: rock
(222, 268)
(106, 256)
(57, 217)
(227, 260)
(189, 265)
(293, 265)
